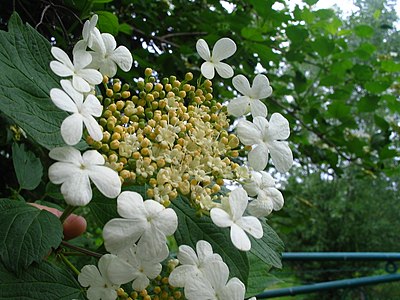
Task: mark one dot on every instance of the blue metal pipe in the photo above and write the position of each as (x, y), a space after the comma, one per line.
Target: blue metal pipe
(341, 256)
(337, 284)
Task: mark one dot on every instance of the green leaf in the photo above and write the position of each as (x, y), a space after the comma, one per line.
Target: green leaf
(28, 168)
(27, 234)
(368, 103)
(101, 1)
(377, 86)
(192, 228)
(365, 51)
(26, 81)
(259, 276)
(125, 28)
(296, 34)
(323, 46)
(338, 110)
(108, 22)
(268, 248)
(102, 208)
(43, 281)
(364, 31)
(390, 66)
(252, 34)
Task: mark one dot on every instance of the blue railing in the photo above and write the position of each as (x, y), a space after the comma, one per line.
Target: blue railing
(391, 268)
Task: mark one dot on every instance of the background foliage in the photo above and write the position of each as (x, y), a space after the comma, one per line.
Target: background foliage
(335, 77)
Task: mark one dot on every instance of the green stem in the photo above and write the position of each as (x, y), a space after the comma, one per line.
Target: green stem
(68, 210)
(69, 264)
(81, 250)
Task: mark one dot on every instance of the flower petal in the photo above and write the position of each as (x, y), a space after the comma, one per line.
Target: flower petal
(80, 84)
(93, 127)
(239, 238)
(76, 96)
(108, 68)
(109, 42)
(281, 155)
(238, 106)
(61, 69)
(252, 226)
(203, 50)
(62, 100)
(101, 293)
(71, 129)
(203, 249)
(61, 171)
(123, 57)
(76, 189)
(260, 208)
(248, 133)
(66, 154)
(242, 85)
(217, 275)
(220, 217)
(223, 48)
(278, 127)
(92, 157)
(261, 88)
(119, 271)
(106, 180)
(167, 221)
(90, 276)
(207, 69)
(91, 76)
(130, 205)
(258, 157)
(61, 56)
(120, 234)
(238, 200)
(187, 256)
(234, 290)
(140, 283)
(81, 59)
(92, 106)
(224, 70)
(181, 274)
(258, 109)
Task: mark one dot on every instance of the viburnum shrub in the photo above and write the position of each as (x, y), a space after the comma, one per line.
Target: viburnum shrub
(186, 194)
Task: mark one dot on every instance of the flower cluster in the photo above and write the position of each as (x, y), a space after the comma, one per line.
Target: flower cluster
(174, 138)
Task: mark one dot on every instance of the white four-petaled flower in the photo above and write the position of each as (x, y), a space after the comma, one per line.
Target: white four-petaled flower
(214, 285)
(147, 221)
(269, 198)
(74, 172)
(191, 264)
(107, 59)
(102, 281)
(232, 216)
(142, 266)
(223, 49)
(266, 137)
(82, 78)
(251, 96)
(83, 112)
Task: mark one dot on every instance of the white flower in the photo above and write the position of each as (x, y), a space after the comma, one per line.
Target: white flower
(223, 49)
(269, 198)
(233, 217)
(266, 137)
(73, 172)
(147, 221)
(107, 60)
(214, 285)
(252, 95)
(71, 100)
(91, 35)
(143, 267)
(82, 78)
(192, 265)
(101, 281)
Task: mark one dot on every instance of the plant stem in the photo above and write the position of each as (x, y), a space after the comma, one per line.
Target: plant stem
(68, 210)
(81, 250)
(69, 264)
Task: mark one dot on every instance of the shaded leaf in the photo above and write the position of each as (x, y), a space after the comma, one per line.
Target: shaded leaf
(28, 168)
(43, 281)
(26, 81)
(27, 234)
